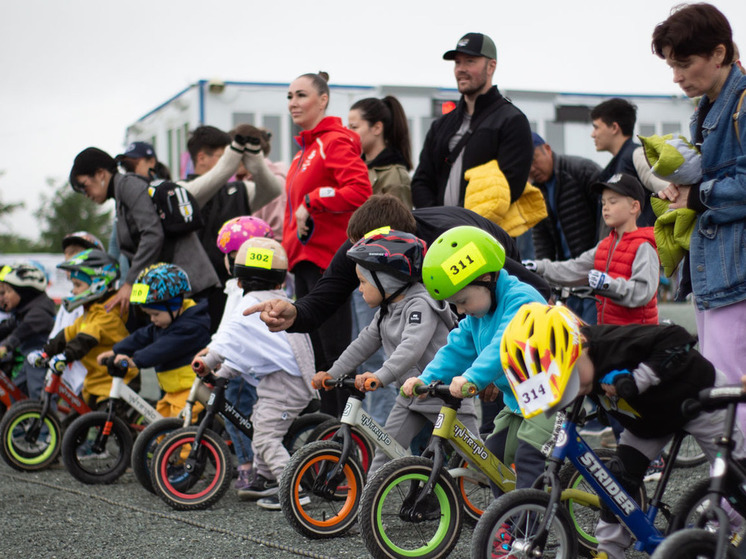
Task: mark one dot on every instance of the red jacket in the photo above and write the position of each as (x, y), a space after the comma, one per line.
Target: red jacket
(330, 178)
(617, 262)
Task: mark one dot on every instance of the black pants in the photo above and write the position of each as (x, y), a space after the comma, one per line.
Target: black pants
(330, 339)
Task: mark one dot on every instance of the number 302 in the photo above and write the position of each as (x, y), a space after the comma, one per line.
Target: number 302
(258, 257)
(455, 268)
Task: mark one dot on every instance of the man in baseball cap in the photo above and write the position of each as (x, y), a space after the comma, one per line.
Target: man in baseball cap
(473, 44)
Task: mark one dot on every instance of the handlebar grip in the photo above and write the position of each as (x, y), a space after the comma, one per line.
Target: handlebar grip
(626, 387)
(691, 408)
(198, 367)
(421, 389)
(469, 390)
(370, 384)
(328, 383)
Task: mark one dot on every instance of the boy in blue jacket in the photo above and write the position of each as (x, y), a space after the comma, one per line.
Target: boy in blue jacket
(178, 325)
(464, 267)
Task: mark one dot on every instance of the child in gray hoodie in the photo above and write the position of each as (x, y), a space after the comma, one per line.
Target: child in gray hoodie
(410, 325)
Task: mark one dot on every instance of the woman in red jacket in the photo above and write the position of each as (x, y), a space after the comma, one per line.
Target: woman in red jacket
(326, 182)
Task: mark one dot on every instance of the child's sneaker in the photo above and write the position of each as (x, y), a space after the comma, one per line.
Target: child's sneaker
(259, 487)
(244, 480)
(273, 502)
(655, 470)
(501, 547)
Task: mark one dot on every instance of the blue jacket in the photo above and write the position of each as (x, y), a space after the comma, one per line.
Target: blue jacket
(473, 348)
(718, 245)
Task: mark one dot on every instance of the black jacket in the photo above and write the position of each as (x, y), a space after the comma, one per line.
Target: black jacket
(667, 350)
(30, 326)
(577, 209)
(504, 135)
(339, 279)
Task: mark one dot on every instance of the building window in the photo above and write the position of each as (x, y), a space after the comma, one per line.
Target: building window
(572, 113)
(273, 123)
(671, 128)
(647, 129)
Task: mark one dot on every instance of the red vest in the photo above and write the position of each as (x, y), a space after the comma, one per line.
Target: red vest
(617, 261)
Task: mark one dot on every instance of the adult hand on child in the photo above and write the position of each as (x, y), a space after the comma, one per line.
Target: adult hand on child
(277, 314)
(121, 298)
(457, 385)
(407, 389)
(318, 380)
(360, 381)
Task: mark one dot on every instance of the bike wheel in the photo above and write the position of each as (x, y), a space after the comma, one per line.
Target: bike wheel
(390, 532)
(191, 484)
(689, 455)
(326, 431)
(88, 458)
(29, 444)
(690, 544)
(584, 518)
(301, 429)
(508, 526)
(145, 445)
(325, 515)
(475, 489)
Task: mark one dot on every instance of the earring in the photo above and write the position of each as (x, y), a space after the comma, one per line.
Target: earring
(718, 66)
(102, 183)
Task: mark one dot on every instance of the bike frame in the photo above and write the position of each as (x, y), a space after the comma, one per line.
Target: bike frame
(9, 392)
(120, 391)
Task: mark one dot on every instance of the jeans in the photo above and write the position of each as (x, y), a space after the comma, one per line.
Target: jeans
(243, 396)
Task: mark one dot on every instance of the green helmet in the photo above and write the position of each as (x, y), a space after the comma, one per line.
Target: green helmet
(457, 258)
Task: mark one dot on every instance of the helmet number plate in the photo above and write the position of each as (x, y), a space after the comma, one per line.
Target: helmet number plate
(459, 266)
(259, 258)
(535, 394)
(139, 293)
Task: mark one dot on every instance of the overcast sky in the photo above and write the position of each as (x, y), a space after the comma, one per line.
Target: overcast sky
(75, 73)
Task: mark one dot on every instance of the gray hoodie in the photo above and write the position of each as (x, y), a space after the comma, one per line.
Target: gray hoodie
(411, 333)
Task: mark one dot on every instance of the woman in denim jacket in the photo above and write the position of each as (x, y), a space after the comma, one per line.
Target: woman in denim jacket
(696, 42)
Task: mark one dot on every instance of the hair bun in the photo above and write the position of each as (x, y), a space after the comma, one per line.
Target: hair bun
(324, 76)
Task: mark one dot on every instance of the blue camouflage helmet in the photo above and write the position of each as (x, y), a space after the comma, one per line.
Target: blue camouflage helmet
(94, 267)
(161, 286)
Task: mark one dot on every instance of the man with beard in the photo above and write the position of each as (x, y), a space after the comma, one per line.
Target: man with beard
(483, 126)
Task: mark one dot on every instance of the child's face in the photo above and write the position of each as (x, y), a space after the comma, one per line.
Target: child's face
(586, 371)
(472, 300)
(9, 297)
(161, 319)
(617, 209)
(370, 292)
(79, 286)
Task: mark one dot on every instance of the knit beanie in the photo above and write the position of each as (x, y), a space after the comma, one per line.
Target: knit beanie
(389, 283)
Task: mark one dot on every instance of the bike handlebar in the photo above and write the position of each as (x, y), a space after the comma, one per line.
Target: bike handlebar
(440, 390)
(713, 399)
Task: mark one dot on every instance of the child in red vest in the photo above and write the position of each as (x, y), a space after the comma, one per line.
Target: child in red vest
(623, 269)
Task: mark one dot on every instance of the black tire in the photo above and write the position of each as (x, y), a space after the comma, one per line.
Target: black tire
(145, 445)
(301, 429)
(42, 449)
(209, 479)
(476, 493)
(87, 465)
(387, 534)
(326, 431)
(690, 544)
(690, 454)
(584, 519)
(512, 516)
(689, 508)
(325, 516)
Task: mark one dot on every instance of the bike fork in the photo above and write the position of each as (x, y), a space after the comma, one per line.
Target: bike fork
(415, 506)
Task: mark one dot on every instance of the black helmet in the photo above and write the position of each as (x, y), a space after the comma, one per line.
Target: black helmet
(83, 239)
(393, 252)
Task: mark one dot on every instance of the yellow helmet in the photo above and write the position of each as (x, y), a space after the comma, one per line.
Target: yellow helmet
(538, 351)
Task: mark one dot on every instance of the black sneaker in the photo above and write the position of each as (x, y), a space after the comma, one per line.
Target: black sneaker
(260, 487)
(273, 502)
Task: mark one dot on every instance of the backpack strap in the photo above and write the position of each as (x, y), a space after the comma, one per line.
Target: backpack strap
(454, 153)
(736, 115)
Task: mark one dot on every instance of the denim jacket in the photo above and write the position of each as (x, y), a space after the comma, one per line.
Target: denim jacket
(718, 244)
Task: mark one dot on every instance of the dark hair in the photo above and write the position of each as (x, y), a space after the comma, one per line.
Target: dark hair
(694, 29)
(617, 110)
(206, 139)
(390, 113)
(157, 171)
(263, 134)
(380, 210)
(320, 82)
(87, 162)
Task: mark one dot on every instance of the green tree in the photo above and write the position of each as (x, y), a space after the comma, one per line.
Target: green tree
(66, 211)
(9, 241)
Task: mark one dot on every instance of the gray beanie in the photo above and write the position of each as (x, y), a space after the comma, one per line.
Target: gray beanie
(389, 283)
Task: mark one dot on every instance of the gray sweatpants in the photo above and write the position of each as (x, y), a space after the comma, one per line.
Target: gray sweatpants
(403, 424)
(280, 399)
(613, 538)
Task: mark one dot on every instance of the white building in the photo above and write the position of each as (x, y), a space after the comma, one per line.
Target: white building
(561, 118)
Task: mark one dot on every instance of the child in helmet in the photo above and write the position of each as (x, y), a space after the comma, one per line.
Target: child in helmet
(178, 325)
(72, 244)
(464, 267)
(656, 368)
(93, 274)
(239, 392)
(279, 364)
(410, 325)
(23, 295)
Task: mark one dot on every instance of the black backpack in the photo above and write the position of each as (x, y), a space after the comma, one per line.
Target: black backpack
(176, 207)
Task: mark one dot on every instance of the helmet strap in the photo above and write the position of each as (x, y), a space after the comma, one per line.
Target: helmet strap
(490, 285)
(386, 300)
